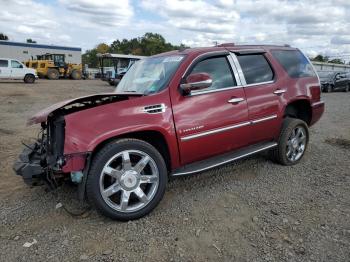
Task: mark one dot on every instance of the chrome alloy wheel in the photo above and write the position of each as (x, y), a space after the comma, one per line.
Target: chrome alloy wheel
(129, 181)
(296, 144)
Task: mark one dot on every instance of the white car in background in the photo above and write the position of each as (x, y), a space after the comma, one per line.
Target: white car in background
(13, 69)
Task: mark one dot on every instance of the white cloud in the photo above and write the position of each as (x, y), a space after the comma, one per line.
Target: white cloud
(314, 26)
(102, 12)
(22, 19)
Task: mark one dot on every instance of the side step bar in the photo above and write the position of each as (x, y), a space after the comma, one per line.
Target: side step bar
(222, 159)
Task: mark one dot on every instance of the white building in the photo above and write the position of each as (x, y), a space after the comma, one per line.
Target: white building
(25, 51)
(329, 67)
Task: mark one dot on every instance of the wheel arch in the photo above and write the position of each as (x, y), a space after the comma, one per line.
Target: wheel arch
(29, 74)
(300, 109)
(155, 138)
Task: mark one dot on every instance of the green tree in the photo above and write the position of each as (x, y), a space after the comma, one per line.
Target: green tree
(320, 58)
(148, 44)
(31, 41)
(90, 58)
(102, 48)
(336, 61)
(3, 36)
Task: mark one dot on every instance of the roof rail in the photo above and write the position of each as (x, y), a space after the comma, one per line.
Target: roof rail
(226, 44)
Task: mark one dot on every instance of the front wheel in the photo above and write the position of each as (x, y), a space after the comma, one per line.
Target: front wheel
(29, 79)
(53, 74)
(292, 143)
(127, 179)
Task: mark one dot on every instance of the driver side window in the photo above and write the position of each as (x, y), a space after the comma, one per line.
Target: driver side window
(219, 70)
(15, 64)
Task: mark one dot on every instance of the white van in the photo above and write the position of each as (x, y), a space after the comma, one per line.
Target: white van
(13, 69)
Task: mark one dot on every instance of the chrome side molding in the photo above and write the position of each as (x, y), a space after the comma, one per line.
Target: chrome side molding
(214, 131)
(218, 130)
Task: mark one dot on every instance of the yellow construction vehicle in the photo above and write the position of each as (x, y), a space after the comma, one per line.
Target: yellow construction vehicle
(54, 66)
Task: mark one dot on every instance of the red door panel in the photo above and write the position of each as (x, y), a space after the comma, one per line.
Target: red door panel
(207, 124)
(264, 110)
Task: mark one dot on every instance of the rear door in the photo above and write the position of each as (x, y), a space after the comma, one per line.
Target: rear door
(263, 92)
(17, 71)
(5, 71)
(208, 121)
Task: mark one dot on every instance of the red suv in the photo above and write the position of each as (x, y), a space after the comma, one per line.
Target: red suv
(174, 114)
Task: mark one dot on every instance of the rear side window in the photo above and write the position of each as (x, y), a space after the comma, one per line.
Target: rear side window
(219, 70)
(294, 62)
(4, 63)
(255, 68)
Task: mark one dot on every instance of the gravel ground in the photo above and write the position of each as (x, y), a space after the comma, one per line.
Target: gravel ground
(252, 210)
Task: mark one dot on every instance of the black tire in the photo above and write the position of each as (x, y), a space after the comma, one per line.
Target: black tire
(53, 74)
(29, 79)
(76, 74)
(279, 153)
(99, 161)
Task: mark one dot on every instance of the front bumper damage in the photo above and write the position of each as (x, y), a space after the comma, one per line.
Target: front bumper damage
(29, 165)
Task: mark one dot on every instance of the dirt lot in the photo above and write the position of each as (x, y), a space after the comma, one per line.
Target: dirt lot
(253, 210)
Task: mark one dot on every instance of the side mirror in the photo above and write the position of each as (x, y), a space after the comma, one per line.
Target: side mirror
(196, 81)
(21, 66)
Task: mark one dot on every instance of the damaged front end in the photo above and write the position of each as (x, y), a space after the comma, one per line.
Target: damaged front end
(39, 160)
(55, 156)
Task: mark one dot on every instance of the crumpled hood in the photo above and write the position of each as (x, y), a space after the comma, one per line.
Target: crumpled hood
(79, 104)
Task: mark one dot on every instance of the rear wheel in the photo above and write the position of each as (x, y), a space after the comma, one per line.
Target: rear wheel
(53, 74)
(76, 74)
(29, 79)
(127, 179)
(292, 142)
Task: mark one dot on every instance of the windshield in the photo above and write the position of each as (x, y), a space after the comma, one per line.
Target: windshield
(149, 75)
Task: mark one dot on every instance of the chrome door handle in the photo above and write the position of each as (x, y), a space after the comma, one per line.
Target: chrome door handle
(279, 91)
(235, 100)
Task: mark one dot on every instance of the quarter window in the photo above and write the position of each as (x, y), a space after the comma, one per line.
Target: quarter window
(219, 70)
(294, 62)
(255, 68)
(4, 63)
(16, 64)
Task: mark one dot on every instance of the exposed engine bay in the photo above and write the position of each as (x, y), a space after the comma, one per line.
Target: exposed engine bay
(44, 160)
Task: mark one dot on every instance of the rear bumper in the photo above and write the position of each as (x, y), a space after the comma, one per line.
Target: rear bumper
(28, 165)
(317, 111)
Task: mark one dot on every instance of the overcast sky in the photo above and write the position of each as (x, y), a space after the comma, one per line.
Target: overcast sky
(314, 26)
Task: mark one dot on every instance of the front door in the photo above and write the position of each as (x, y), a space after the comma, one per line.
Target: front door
(340, 81)
(16, 70)
(5, 71)
(264, 96)
(214, 120)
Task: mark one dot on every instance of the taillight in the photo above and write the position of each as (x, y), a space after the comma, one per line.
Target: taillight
(315, 93)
